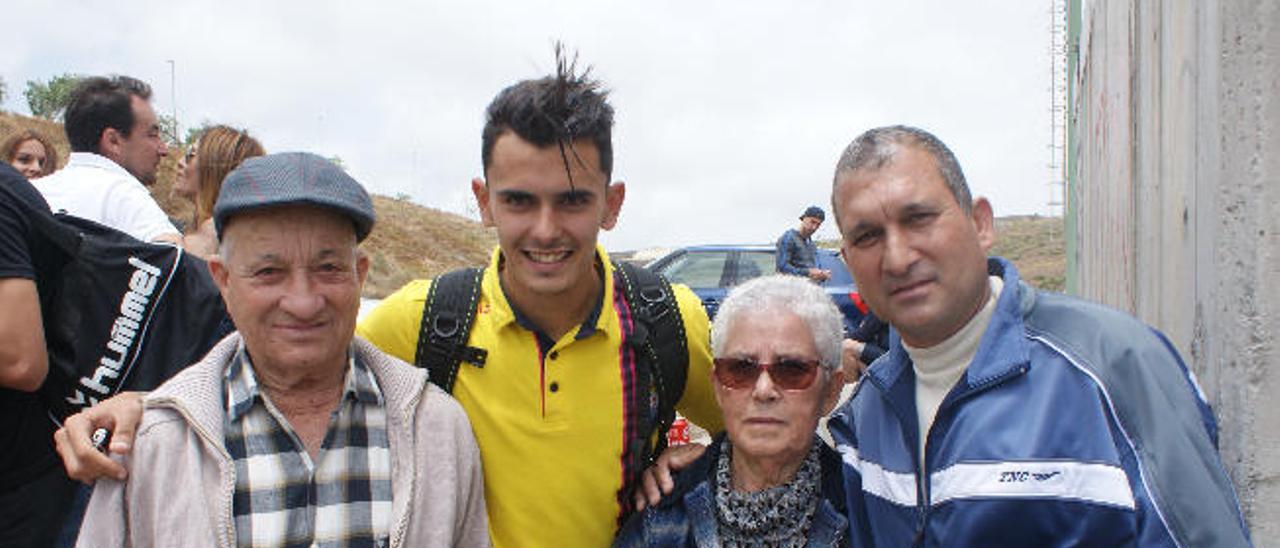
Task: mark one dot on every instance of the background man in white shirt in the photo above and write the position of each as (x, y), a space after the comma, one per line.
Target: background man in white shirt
(116, 147)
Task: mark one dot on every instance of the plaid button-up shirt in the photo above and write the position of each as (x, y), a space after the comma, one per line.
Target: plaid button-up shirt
(282, 498)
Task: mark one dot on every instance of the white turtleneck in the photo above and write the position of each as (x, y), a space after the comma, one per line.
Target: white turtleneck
(938, 367)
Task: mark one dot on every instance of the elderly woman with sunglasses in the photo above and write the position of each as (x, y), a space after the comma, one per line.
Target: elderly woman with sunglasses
(767, 480)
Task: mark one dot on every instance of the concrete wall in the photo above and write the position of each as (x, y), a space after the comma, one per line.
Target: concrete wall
(1175, 198)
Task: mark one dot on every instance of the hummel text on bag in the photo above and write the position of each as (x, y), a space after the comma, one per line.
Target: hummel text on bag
(124, 332)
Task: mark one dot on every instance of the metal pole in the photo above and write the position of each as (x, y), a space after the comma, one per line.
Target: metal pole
(173, 101)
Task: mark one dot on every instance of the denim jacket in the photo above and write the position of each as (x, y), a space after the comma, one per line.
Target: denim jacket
(796, 254)
(687, 516)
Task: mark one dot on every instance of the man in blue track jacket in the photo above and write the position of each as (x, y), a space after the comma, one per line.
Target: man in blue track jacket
(1002, 415)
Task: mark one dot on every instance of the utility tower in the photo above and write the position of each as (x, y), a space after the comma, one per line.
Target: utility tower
(1057, 108)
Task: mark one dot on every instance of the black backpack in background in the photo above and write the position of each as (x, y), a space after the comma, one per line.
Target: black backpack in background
(119, 313)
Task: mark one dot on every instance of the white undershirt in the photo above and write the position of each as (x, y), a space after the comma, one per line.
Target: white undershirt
(938, 367)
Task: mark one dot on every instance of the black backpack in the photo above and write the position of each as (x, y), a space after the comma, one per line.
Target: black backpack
(119, 313)
(658, 341)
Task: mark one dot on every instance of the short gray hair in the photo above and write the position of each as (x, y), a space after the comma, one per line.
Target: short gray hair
(875, 148)
(778, 294)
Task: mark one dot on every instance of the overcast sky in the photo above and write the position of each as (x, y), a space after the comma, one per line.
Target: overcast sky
(730, 115)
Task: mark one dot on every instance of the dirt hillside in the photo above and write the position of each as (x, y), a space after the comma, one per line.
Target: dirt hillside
(1037, 246)
(410, 241)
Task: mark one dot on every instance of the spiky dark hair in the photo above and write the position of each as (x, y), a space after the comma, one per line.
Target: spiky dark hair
(556, 111)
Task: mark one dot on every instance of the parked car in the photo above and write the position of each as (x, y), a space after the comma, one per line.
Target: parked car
(710, 270)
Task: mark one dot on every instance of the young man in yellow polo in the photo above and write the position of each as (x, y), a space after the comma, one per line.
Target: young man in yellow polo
(548, 405)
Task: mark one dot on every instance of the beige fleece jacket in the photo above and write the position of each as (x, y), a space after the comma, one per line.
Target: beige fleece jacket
(181, 479)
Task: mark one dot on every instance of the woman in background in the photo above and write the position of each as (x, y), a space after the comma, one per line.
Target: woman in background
(217, 151)
(31, 153)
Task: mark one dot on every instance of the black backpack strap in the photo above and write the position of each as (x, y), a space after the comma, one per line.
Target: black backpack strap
(661, 349)
(446, 324)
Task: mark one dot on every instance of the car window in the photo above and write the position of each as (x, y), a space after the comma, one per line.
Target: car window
(753, 264)
(697, 269)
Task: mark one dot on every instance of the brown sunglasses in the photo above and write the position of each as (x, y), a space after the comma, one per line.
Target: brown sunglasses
(787, 373)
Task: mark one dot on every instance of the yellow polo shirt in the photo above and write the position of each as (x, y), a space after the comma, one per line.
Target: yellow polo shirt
(550, 426)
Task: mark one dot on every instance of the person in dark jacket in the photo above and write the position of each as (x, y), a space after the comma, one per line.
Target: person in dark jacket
(866, 343)
(767, 480)
(35, 494)
(797, 253)
(1002, 415)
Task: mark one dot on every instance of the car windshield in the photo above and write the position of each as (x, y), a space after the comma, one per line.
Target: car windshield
(697, 269)
(753, 264)
(724, 268)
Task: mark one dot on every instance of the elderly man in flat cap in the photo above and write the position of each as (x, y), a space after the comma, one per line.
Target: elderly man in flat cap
(291, 431)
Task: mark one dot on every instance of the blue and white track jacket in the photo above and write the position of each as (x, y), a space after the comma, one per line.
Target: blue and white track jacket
(1075, 425)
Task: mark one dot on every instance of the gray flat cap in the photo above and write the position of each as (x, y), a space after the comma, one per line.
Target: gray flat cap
(293, 178)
